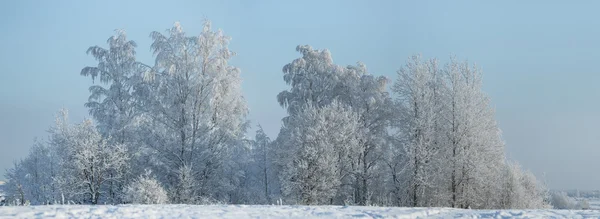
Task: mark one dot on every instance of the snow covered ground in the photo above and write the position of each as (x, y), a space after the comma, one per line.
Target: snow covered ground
(245, 211)
(594, 203)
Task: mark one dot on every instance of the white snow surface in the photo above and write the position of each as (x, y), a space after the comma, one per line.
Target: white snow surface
(272, 211)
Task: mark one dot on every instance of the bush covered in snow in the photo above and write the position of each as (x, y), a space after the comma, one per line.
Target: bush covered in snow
(145, 190)
(560, 200)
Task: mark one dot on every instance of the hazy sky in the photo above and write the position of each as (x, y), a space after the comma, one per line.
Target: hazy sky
(539, 61)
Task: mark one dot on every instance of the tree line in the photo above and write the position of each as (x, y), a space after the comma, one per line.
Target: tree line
(176, 132)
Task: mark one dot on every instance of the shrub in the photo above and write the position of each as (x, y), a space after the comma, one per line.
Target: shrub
(145, 190)
(560, 200)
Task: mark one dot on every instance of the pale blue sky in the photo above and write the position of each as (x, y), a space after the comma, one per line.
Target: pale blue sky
(539, 60)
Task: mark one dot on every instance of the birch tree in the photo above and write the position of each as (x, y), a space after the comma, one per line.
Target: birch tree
(112, 102)
(367, 96)
(320, 142)
(195, 108)
(418, 97)
(87, 160)
(112, 105)
(475, 147)
(316, 80)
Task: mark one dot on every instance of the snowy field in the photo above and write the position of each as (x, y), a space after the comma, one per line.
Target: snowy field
(244, 211)
(594, 203)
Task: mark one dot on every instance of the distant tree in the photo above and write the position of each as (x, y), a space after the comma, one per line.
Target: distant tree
(263, 156)
(15, 191)
(31, 179)
(245, 175)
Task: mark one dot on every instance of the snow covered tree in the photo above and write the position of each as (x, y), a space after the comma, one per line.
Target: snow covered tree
(87, 160)
(97, 163)
(41, 168)
(321, 140)
(312, 78)
(145, 190)
(262, 160)
(31, 179)
(15, 191)
(316, 80)
(195, 107)
(113, 106)
(521, 190)
(418, 99)
(449, 148)
(368, 98)
(244, 175)
(184, 191)
(344, 141)
(473, 140)
(112, 103)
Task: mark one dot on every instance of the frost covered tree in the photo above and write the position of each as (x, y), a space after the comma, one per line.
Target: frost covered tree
(112, 105)
(262, 159)
(521, 190)
(449, 148)
(112, 102)
(31, 179)
(15, 177)
(367, 96)
(474, 145)
(316, 80)
(77, 165)
(245, 175)
(87, 160)
(321, 140)
(195, 109)
(344, 140)
(312, 78)
(419, 102)
(184, 191)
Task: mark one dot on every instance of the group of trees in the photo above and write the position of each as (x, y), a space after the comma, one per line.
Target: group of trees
(432, 142)
(175, 132)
